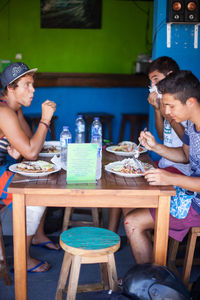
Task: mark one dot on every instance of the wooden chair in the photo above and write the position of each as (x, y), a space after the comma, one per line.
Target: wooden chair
(189, 255)
(87, 245)
(4, 271)
(34, 119)
(94, 212)
(105, 119)
(137, 123)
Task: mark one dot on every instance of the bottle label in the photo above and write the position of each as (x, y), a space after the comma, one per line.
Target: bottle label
(80, 128)
(96, 131)
(64, 142)
(99, 152)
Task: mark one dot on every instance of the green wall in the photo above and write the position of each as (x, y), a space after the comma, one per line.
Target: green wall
(111, 49)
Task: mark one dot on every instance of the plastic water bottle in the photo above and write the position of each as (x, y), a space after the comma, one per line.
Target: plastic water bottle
(65, 139)
(80, 130)
(96, 137)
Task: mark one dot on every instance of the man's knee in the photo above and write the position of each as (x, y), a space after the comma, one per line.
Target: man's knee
(129, 223)
(33, 218)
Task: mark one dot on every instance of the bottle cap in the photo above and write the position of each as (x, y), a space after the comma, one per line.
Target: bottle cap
(65, 127)
(96, 118)
(80, 116)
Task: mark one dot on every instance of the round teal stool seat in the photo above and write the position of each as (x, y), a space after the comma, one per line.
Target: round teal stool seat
(87, 245)
(89, 238)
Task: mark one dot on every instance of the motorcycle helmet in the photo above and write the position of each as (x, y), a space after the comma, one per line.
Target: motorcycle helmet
(153, 282)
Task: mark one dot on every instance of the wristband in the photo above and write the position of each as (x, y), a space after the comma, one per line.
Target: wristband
(45, 124)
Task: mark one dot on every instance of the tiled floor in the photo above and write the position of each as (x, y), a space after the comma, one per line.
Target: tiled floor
(42, 286)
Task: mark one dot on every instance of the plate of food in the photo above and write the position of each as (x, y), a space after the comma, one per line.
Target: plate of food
(34, 168)
(50, 148)
(127, 168)
(125, 148)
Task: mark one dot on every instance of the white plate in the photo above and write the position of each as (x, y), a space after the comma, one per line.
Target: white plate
(48, 144)
(115, 164)
(122, 153)
(13, 168)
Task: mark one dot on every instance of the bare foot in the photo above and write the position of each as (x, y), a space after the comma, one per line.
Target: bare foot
(35, 265)
(44, 239)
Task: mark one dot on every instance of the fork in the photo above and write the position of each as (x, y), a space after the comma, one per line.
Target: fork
(136, 150)
(29, 180)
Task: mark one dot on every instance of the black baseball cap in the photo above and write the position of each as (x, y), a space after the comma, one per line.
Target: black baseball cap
(13, 72)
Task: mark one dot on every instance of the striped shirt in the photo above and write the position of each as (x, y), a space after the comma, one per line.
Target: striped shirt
(3, 149)
(3, 145)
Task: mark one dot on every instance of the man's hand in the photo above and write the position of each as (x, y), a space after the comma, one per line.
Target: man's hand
(48, 109)
(159, 177)
(13, 152)
(154, 100)
(147, 140)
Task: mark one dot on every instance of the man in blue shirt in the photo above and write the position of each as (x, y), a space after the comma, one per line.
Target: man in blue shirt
(181, 100)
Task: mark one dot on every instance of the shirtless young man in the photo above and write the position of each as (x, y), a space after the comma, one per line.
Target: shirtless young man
(17, 140)
(181, 101)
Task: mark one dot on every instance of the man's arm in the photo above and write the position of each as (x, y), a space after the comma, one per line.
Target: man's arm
(24, 124)
(159, 123)
(12, 129)
(179, 154)
(162, 177)
(155, 102)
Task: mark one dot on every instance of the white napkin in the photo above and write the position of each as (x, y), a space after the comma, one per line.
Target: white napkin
(56, 160)
(154, 89)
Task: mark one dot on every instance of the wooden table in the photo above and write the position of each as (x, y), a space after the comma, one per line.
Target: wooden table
(110, 191)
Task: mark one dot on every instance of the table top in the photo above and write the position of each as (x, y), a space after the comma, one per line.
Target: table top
(56, 182)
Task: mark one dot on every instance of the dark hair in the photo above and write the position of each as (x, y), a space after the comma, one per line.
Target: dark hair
(164, 65)
(181, 85)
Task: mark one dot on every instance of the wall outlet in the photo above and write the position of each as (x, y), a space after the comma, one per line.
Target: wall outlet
(18, 56)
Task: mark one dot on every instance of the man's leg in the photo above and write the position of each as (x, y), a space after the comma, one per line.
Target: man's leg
(114, 218)
(32, 262)
(40, 236)
(33, 218)
(137, 225)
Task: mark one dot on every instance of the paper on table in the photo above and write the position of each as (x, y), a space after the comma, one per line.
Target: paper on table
(56, 160)
(81, 163)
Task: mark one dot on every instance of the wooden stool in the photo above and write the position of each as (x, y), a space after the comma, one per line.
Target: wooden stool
(105, 119)
(96, 214)
(189, 255)
(4, 272)
(137, 123)
(87, 245)
(34, 119)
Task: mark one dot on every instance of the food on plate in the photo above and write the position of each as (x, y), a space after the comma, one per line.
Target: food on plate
(126, 147)
(39, 166)
(129, 166)
(50, 149)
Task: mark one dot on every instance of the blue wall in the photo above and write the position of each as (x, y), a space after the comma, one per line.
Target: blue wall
(71, 100)
(182, 46)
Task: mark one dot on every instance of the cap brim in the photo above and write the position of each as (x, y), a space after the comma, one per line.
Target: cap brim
(29, 71)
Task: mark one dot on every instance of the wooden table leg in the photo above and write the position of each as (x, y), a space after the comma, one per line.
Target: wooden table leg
(19, 239)
(161, 230)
